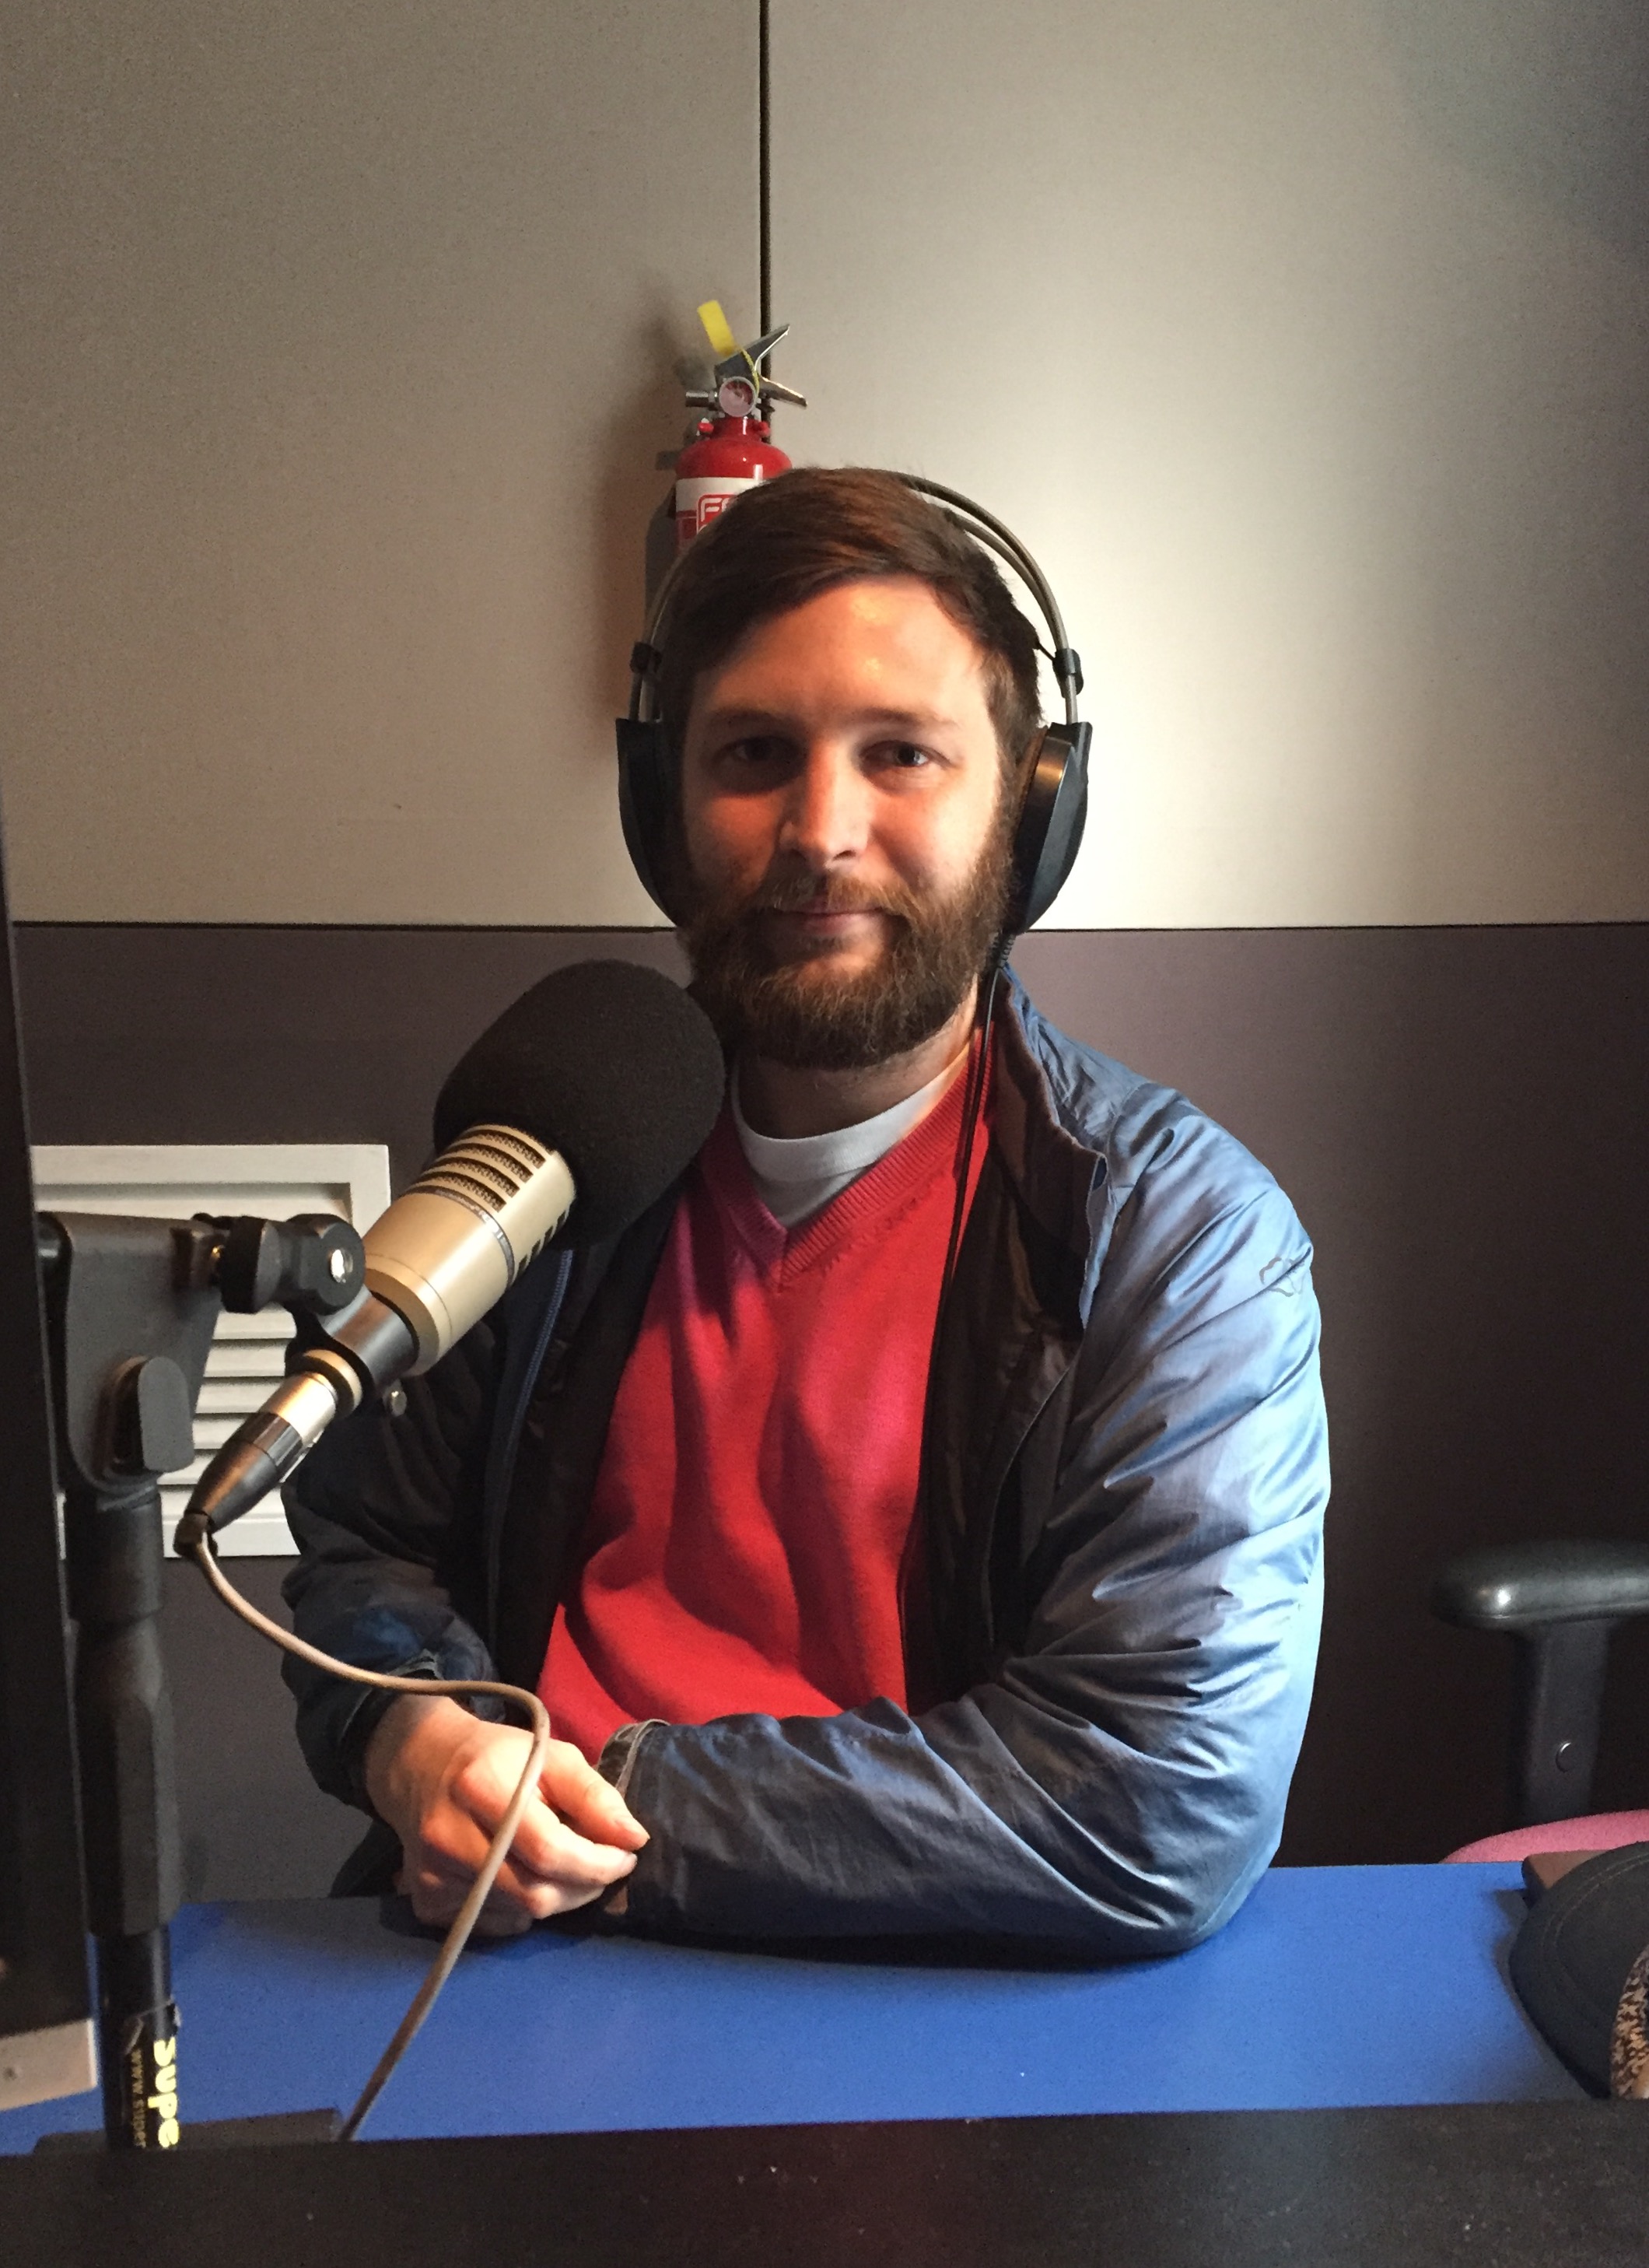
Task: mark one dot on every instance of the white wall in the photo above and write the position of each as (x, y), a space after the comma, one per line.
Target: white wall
(1307, 341)
(338, 352)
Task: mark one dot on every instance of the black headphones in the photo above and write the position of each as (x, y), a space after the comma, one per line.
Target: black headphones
(1054, 802)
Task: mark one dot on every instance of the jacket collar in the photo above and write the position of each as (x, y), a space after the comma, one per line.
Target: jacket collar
(1050, 1135)
(1049, 1122)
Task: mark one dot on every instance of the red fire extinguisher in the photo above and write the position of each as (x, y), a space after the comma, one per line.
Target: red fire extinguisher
(731, 451)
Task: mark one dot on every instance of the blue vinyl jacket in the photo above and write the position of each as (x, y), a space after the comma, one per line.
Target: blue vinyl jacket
(1111, 1624)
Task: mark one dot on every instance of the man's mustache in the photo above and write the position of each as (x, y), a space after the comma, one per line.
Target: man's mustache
(813, 893)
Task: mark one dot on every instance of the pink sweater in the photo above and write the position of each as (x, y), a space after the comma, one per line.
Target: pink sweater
(758, 1487)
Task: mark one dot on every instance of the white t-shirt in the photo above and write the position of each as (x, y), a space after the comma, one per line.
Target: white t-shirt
(794, 1177)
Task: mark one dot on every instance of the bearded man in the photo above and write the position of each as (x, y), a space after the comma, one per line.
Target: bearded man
(845, 1627)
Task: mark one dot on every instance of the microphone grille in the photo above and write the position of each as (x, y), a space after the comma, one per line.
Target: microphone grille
(485, 1167)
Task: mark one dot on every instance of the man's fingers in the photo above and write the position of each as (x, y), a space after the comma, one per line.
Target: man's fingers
(488, 1924)
(567, 1785)
(567, 1789)
(513, 1904)
(554, 1850)
(545, 1851)
(587, 1801)
(437, 1897)
(575, 1838)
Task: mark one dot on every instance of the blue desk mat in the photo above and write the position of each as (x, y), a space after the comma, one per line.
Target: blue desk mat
(1333, 1986)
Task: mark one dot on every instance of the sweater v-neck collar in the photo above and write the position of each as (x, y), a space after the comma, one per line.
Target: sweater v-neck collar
(879, 1192)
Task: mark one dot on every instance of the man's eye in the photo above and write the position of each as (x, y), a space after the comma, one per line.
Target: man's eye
(759, 750)
(905, 757)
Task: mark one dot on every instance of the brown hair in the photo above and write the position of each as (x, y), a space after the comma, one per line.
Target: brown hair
(791, 538)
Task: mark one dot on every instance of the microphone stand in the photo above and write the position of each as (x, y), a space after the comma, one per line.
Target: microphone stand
(131, 1305)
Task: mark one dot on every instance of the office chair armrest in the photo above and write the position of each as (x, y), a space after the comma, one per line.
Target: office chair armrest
(1524, 1586)
(1559, 1600)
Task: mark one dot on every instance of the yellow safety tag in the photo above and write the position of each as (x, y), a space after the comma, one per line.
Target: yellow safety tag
(717, 331)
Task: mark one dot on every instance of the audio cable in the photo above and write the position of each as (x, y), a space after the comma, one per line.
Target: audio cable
(464, 1921)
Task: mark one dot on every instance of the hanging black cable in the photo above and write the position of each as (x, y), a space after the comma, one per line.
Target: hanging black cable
(764, 168)
(973, 1102)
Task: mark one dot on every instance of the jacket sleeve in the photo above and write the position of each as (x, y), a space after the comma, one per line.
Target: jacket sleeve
(386, 1513)
(1118, 1784)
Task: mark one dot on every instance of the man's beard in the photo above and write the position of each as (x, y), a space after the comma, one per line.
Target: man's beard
(808, 1017)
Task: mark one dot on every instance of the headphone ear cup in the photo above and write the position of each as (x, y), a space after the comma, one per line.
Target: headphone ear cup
(647, 803)
(1052, 815)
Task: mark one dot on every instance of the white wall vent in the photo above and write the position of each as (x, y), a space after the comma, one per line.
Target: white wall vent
(275, 1179)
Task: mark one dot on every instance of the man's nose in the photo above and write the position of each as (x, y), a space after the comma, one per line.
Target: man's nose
(826, 810)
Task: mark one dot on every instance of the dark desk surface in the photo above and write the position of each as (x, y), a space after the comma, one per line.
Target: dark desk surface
(1501, 2185)
(1333, 1986)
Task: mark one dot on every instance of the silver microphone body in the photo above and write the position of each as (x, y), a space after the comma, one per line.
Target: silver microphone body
(437, 1261)
(451, 1247)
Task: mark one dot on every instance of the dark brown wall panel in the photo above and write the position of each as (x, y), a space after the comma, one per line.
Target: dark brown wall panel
(162, 1033)
(1461, 1116)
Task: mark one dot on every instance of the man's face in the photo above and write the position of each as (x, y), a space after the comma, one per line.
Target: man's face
(843, 806)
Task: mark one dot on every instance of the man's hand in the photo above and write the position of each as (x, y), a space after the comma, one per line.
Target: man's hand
(443, 1780)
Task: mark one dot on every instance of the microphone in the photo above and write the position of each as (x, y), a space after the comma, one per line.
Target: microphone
(567, 1118)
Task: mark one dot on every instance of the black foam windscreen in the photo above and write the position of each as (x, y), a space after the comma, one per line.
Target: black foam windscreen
(609, 1063)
